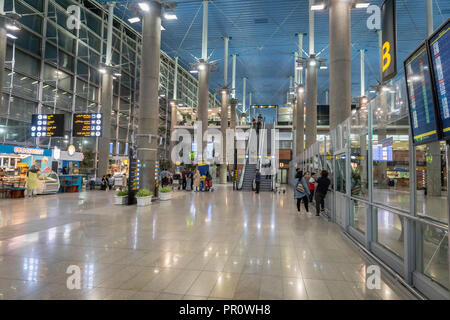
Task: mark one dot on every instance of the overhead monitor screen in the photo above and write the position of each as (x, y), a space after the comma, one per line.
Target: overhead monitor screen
(87, 124)
(440, 57)
(422, 110)
(47, 125)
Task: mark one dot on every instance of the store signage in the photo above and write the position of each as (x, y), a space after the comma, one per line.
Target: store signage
(87, 125)
(422, 109)
(20, 150)
(440, 58)
(389, 40)
(47, 125)
(71, 150)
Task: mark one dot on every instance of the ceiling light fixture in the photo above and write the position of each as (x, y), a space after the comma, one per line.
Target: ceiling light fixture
(12, 27)
(144, 6)
(362, 5)
(11, 36)
(317, 7)
(170, 16)
(162, 28)
(134, 20)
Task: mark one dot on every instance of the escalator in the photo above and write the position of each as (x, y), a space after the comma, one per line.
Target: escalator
(249, 170)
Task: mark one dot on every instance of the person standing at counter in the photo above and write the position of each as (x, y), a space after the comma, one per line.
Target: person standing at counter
(32, 181)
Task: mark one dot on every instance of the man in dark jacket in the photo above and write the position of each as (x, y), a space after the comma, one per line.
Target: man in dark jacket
(322, 185)
(257, 180)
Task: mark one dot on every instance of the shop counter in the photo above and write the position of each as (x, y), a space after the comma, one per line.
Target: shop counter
(70, 183)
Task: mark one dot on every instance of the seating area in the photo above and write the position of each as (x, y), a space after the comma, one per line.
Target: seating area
(12, 187)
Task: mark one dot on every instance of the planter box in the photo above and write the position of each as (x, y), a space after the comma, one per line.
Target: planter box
(144, 201)
(165, 196)
(120, 200)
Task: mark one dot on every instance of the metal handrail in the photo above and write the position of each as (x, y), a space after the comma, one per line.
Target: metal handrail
(402, 213)
(241, 178)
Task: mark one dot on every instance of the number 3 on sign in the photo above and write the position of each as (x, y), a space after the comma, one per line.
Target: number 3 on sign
(386, 55)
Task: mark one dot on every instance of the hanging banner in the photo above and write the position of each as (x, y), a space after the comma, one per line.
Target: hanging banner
(389, 40)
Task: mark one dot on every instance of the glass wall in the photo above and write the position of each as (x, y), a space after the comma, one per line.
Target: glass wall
(51, 69)
(396, 203)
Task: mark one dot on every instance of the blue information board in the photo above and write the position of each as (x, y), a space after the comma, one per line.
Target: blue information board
(440, 58)
(422, 109)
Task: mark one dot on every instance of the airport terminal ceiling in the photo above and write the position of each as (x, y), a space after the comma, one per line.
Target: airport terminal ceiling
(263, 35)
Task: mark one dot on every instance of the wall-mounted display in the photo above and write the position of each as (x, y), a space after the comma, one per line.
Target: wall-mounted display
(47, 125)
(87, 125)
(421, 102)
(439, 44)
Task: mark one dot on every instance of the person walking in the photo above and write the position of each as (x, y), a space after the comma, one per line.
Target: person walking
(188, 181)
(312, 186)
(32, 181)
(196, 180)
(257, 180)
(301, 190)
(322, 185)
(184, 180)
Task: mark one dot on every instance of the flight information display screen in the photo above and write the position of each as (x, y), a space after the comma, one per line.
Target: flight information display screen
(87, 124)
(381, 153)
(422, 110)
(440, 57)
(47, 125)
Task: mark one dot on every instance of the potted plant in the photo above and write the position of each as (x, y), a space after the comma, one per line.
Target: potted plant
(121, 197)
(165, 193)
(144, 197)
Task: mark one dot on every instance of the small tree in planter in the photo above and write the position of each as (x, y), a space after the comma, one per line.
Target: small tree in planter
(121, 197)
(165, 193)
(144, 197)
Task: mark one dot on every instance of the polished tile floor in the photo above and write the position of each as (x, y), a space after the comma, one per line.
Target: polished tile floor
(220, 245)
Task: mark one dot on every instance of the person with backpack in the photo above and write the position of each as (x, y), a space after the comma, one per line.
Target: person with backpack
(312, 186)
(322, 185)
(301, 190)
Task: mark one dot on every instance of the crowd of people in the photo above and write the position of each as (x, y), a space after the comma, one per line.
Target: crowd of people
(187, 179)
(307, 188)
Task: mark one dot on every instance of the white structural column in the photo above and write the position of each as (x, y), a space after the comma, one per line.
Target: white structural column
(148, 99)
(299, 107)
(300, 55)
(244, 97)
(203, 84)
(311, 102)
(311, 87)
(363, 137)
(233, 77)
(340, 62)
(434, 178)
(224, 114)
(233, 102)
(3, 42)
(300, 122)
(174, 108)
(106, 99)
(363, 72)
